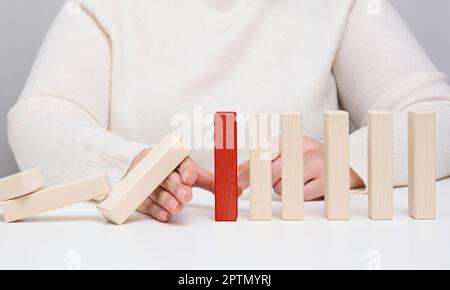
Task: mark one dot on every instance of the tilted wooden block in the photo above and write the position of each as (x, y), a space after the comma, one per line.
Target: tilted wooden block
(260, 167)
(55, 197)
(132, 191)
(291, 142)
(21, 184)
(225, 166)
(337, 169)
(422, 165)
(380, 166)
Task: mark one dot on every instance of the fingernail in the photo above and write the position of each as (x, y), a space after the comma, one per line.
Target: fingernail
(174, 205)
(163, 216)
(243, 184)
(185, 178)
(186, 196)
(181, 194)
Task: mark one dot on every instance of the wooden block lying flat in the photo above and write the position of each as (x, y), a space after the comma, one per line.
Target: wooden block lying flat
(132, 191)
(260, 167)
(225, 164)
(422, 165)
(292, 166)
(21, 184)
(380, 166)
(54, 197)
(337, 168)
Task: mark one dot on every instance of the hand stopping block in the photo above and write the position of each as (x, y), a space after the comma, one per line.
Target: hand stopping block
(132, 191)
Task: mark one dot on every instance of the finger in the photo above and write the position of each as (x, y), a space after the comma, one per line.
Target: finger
(276, 171)
(174, 185)
(244, 175)
(277, 187)
(312, 168)
(205, 179)
(188, 171)
(149, 207)
(167, 200)
(314, 189)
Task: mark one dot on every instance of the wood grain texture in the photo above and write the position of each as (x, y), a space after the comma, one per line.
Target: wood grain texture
(380, 166)
(260, 167)
(422, 165)
(134, 188)
(21, 184)
(55, 197)
(291, 142)
(337, 169)
(225, 166)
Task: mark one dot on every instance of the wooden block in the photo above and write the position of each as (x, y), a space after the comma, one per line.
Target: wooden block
(225, 163)
(422, 165)
(21, 184)
(291, 140)
(337, 169)
(54, 197)
(380, 166)
(260, 167)
(132, 191)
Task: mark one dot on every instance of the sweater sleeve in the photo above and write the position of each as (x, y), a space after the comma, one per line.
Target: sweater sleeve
(381, 66)
(60, 122)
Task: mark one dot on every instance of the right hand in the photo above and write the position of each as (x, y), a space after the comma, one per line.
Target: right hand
(176, 190)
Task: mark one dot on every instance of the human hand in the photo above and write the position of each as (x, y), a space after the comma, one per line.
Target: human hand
(313, 170)
(176, 190)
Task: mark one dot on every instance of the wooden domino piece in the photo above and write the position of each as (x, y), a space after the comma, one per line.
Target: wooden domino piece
(291, 142)
(422, 165)
(21, 184)
(380, 166)
(54, 197)
(225, 166)
(260, 167)
(133, 189)
(337, 169)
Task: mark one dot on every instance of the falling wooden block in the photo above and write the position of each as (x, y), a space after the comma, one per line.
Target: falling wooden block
(148, 174)
(54, 197)
(337, 168)
(380, 166)
(225, 163)
(422, 165)
(21, 184)
(291, 140)
(260, 167)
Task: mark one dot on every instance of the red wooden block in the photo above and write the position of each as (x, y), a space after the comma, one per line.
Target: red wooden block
(225, 163)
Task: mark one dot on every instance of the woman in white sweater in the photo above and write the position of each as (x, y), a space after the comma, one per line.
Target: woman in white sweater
(111, 75)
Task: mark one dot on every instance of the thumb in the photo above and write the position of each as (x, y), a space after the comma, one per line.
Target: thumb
(244, 175)
(205, 179)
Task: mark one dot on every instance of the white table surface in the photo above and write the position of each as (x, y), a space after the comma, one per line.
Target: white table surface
(78, 237)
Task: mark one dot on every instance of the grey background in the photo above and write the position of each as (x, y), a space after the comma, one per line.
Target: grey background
(23, 24)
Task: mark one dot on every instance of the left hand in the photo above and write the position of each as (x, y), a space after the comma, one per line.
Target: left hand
(313, 170)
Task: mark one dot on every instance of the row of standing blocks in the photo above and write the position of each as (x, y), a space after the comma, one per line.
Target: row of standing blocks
(421, 166)
(24, 194)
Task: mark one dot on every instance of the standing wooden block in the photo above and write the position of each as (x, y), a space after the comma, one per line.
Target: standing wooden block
(225, 162)
(55, 197)
(380, 166)
(292, 166)
(134, 188)
(422, 165)
(260, 167)
(21, 184)
(337, 169)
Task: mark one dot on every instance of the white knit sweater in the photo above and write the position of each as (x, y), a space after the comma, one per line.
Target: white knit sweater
(111, 76)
